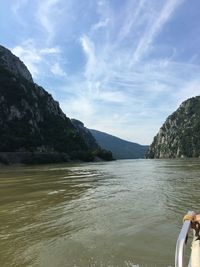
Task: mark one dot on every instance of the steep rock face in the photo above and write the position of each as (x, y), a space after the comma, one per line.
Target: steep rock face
(98, 150)
(85, 133)
(13, 64)
(30, 119)
(33, 128)
(180, 134)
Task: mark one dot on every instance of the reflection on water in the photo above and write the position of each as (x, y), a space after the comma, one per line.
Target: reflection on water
(120, 213)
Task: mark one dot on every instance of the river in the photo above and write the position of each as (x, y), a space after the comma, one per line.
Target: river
(120, 213)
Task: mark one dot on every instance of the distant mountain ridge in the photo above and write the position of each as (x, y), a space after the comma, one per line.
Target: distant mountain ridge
(90, 140)
(120, 148)
(179, 136)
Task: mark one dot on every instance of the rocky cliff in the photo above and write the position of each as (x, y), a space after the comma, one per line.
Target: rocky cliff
(180, 134)
(87, 135)
(13, 64)
(31, 120)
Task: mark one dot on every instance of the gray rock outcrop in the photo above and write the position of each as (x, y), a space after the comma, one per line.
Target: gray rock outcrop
(179, 136)
(14, 64)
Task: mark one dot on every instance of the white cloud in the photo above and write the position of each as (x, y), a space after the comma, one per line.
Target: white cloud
(17, 5)
(114, 78)
(132, 17)
(89, 49)
(190, 89)
(17, 8)
(57, 70)
(110, 79)
(79, 107)
(33, 57)
(100, 24)
(114, 97)
(48, 51)
(149, 92)
(154, 29)
(45, 15)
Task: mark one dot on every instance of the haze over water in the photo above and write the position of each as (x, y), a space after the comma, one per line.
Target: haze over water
(120, 213)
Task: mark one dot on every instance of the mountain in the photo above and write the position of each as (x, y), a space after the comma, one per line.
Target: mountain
(179, 136)
(33, 128)
(13, 64)
(120, 148)
(98, 151)
(85, 133)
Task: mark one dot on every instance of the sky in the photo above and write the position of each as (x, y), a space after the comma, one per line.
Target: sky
(119, 66)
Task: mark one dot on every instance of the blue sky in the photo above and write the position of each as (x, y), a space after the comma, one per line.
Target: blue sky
(120, 66)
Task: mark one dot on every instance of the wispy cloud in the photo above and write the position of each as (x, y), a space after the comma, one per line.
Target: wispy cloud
(132, 17)
(100, 24)
(89, 49)
(190, 89)
(17, 5)
(57, 70)
(154, 28)
(45, 15)
(30, 57)
(81, 104)
(120, 67)
(33, 56)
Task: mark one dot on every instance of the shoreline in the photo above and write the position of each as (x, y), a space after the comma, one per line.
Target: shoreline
(39, 158)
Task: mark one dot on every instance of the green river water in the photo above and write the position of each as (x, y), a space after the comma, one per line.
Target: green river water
(120, 213)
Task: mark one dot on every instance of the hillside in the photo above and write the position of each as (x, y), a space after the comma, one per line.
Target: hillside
(31, 121)
(120, 148)
(179, 136)
(98, 151)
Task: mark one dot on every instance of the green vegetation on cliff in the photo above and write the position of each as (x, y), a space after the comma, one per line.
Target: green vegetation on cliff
(121, 149)
(32, 122)
(98, 150)
(180, 134)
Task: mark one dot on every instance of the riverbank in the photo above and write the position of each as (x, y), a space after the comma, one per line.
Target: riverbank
(24, 158)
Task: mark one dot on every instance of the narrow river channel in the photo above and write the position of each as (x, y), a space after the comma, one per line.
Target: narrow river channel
(120, 213)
